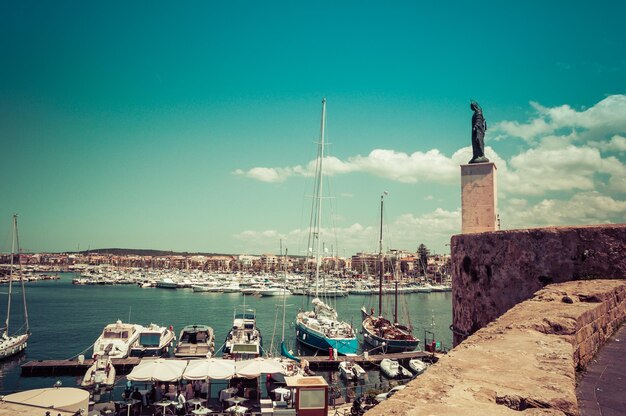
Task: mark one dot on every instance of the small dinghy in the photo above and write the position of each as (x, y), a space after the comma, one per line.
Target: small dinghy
(417, 366)
(351, 371)
(392, 369)
(100, 374)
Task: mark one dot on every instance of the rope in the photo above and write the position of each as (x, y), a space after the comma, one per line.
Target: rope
(82, 352)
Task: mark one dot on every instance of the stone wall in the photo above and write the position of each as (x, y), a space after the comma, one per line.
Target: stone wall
(494, 271)
(526, 360)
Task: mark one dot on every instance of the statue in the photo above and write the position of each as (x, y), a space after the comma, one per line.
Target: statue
(479, 126)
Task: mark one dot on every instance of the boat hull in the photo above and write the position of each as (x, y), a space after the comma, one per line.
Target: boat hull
(387, 346)
(13, 345)
(313, 339)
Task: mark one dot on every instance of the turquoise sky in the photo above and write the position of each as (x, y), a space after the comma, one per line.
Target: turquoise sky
(140, 125)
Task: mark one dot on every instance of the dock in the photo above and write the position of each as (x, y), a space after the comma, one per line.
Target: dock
(53, 368)
(369, 361)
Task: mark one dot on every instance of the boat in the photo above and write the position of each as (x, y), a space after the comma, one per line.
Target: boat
(321, 328)
(11, 345)
(392, 369)
(116, 340)
(154, 341)
(244, 338)
(195, 341)
(274, 291)
(351, 370)
(379, 333)
(100, 374)
(417, 366)
(167, 283)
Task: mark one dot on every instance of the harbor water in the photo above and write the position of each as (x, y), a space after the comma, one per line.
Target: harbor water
(66, 319)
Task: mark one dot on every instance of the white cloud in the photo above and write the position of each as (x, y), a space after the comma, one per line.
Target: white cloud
(404, 232)
(615, 144)
(564, 153)
(606, 117)
(581, 208)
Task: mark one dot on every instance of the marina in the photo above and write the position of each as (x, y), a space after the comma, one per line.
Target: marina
(53, 355)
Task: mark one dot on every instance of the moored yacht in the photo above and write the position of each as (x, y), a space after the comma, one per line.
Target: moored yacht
(117, 339)
(321, 327)
(244, 339)
(154, 341)
(274, 291)
(195, 341)
(379, 333)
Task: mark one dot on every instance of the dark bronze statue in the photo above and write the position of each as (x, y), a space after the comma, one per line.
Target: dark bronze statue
(479, 126)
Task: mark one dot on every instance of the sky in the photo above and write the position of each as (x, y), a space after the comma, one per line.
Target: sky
(193, 126)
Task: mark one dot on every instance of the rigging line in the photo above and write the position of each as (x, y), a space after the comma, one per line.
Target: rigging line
(274, 330)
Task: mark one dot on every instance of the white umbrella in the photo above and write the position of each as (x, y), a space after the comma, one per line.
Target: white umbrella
(254, 368)
(158, 370)
(212, 368)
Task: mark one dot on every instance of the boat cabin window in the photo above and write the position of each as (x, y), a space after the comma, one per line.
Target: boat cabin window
(150, 340)
(115, 334)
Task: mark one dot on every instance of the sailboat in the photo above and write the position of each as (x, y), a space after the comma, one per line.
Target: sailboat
(380, 333)
(321, 328)
(13, 344)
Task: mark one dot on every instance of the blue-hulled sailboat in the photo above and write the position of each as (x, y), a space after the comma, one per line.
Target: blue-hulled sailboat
(321, 328)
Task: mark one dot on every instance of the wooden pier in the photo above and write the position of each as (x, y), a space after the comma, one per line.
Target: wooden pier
(52, 368)
(372, 360)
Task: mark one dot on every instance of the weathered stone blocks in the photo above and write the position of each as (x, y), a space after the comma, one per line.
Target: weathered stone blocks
(493, 271)
(526, 360)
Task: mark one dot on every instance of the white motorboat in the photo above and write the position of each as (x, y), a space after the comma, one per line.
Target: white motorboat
(426, 288)
(244, 339)
(351, 370)
(154, 341)
(195, 341)
(100, 374)
(231, 288)
(417, 366)
(274, 291)
(392, 369)
(117, 339)
(167, 283)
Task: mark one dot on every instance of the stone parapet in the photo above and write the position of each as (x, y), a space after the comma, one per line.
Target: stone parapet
(526, 360)
(493, 271)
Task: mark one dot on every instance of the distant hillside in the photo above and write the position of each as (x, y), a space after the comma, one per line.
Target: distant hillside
(145, 252)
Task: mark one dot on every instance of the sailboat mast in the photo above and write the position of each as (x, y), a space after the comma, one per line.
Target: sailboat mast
(319, 197)
(19, 259)
(381, 260)
(395, 308)
(284, 295)
(6, 324)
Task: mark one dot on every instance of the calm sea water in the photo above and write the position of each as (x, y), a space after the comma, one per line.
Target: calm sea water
(66, 319)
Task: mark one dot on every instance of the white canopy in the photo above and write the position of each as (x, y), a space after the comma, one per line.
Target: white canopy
(254, 368)
(158, 370)
(212, 368)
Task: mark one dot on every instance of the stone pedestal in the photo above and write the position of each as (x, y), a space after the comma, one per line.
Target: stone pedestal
(479, 198)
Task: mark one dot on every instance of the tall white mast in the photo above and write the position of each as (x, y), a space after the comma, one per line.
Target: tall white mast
(19, 259)
(6, 324)
(319, 196)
